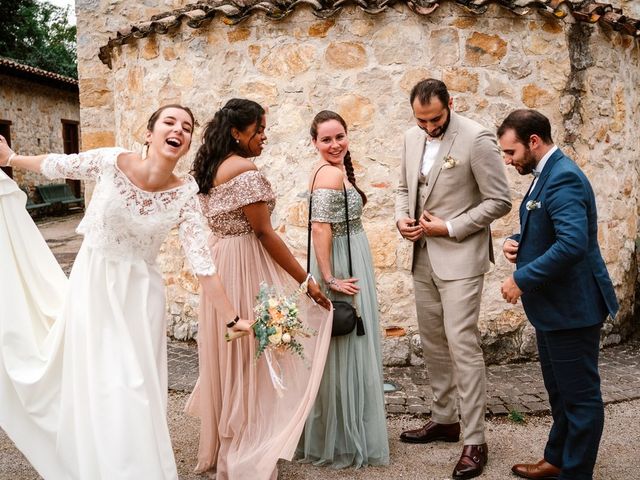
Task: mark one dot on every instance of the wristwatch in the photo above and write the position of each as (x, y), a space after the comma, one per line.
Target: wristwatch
(233, 322)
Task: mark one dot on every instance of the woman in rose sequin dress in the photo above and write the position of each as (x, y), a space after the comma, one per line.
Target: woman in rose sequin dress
(245, 426)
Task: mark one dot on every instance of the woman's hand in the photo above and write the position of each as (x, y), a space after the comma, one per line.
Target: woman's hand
(242, 325)
(345, 286)
(5, 151)
(313, 290)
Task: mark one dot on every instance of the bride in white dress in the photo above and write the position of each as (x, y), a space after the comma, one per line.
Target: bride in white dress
(83, 370)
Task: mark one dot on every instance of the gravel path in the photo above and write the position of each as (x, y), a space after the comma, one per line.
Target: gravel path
(508, 443)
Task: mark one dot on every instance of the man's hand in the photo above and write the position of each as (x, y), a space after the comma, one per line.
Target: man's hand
(433, 226)
(510, 250)
(510, 290)
(408, 229)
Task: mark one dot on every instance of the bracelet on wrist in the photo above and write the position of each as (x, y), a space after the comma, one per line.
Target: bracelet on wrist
(10, 159)
(233, 322)
(332, 281)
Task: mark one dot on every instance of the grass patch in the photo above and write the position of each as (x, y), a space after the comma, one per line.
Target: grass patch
(516, 417)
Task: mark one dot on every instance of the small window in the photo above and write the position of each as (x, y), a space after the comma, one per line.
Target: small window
(5, 131)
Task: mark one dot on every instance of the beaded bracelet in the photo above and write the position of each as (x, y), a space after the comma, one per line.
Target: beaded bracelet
(232, 323)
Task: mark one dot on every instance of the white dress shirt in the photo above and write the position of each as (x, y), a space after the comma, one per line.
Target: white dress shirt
(431, 148)
(540, 167)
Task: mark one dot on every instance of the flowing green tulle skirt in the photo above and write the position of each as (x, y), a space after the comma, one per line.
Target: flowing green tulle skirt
(347, 424)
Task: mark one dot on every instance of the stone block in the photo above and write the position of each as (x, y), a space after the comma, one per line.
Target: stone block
(95, 92)
(461, 80)
(346, 55)
(395, 351)
(395, 409)
(418, 409)
(321, 29)
(445, 43)
(357, 111)
(535, 97)
(482, 49)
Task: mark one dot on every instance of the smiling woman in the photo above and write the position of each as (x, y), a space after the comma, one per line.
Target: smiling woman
(97, 342)
(245, 429)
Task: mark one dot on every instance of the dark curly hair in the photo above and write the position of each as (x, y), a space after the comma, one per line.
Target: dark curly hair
(325, 116)
(217, 141)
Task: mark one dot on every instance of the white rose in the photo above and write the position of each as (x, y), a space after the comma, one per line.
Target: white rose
(286, 338)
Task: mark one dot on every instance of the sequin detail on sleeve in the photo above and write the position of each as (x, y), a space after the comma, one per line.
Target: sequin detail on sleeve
(193, 236)
(328, 207)
(78, 166)
(222, 206)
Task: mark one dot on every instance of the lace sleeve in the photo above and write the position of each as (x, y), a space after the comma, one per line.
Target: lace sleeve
(193, 236)
(78, 166)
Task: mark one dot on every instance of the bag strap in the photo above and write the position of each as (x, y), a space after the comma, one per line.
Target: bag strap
(346, 210)
(359, 323)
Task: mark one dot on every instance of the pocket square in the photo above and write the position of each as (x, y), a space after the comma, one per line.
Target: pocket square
(533, 204)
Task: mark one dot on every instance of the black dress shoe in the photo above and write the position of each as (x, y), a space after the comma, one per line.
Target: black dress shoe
(432, 432)
(472, 461)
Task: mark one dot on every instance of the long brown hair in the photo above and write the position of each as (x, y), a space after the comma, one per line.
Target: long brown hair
(325, 116)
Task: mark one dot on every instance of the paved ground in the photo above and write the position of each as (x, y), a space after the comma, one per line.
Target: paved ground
(510, 387)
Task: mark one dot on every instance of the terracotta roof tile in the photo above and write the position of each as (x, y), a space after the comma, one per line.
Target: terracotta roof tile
(232, 12)
(14, 68)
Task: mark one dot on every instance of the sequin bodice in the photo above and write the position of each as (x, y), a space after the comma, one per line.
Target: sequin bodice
(328, 207)
(125, 222)
(222, 206)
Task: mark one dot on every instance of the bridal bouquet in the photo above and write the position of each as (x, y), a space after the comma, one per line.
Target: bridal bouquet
(278, 328)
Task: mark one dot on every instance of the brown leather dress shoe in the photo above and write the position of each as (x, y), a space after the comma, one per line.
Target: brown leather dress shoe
(542, 470)
(432, 432)
(472, 461)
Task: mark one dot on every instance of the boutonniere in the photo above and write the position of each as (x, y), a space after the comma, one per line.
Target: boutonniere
(533, 204)
(449, 162)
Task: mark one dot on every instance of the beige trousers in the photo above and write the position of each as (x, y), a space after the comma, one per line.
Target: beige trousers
(448, 322)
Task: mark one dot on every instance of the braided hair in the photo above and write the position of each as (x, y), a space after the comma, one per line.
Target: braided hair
(218, 142)
(325, 116)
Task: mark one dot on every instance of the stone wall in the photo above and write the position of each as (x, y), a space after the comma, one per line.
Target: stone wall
(363, 66)
(36, 112)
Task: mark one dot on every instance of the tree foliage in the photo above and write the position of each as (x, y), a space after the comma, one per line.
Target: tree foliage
(38, 34)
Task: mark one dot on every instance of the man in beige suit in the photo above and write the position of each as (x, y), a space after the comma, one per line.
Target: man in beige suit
(452, 186)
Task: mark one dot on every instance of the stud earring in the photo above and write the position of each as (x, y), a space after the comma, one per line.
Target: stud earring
(237, 140)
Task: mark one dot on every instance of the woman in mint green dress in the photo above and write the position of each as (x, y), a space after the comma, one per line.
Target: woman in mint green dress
(347, 425)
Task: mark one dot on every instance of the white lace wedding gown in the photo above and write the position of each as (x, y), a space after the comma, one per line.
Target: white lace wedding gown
(83, 369)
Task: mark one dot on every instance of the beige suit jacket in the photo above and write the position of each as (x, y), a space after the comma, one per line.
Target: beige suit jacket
(470, 194)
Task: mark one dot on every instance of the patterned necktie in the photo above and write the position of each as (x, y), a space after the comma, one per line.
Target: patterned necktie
(535, 173)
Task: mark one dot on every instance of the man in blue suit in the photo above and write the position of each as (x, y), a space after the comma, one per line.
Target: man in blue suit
(566, 292)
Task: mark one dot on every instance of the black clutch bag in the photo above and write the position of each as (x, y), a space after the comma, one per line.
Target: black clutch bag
(345, 315)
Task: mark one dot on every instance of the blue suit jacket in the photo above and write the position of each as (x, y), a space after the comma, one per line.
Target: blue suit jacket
(559, 267)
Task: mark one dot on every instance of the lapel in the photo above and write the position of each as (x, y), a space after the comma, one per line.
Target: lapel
(447, 142)
(524, 213)
(414, 163)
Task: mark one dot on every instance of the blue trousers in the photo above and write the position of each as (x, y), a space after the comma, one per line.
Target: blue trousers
(569, 361)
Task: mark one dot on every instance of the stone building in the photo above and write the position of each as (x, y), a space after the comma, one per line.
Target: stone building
(576, 61)
(39, 113)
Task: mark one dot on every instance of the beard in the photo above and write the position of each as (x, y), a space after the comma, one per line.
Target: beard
(528, 163)
(439, 131)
